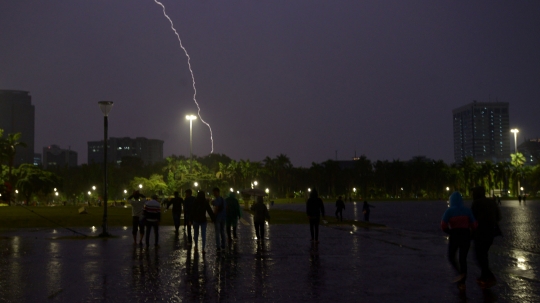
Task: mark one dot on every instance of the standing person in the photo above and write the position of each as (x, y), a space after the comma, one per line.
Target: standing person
(221, 215)
(260, 215)
(176, 202)
(137, 205)
(234, 213)
(366, 210)
(340, 206)
(458, 221)
(314, 209)
(488, 215)
(152, 217)
(198, 215)
(189, 201)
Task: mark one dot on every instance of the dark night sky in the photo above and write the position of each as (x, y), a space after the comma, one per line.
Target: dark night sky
(303, 78)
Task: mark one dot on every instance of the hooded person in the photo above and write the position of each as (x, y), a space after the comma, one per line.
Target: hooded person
(458, 221)
(487, 212)
(234, 213)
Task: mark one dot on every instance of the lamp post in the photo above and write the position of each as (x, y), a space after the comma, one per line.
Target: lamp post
(105, 107)
(190, 118)
(515, 131)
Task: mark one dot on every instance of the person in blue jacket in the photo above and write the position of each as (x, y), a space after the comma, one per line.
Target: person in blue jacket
(458, 221)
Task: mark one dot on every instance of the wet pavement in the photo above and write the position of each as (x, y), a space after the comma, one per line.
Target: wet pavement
(350, 264)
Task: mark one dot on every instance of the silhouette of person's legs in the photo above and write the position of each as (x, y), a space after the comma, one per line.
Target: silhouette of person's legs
(481, 247)
(314, 229)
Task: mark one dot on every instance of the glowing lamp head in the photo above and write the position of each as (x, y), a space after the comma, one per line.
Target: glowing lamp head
(515, 130)
(105, 107)
(191, 117)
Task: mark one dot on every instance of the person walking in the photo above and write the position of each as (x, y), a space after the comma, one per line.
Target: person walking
(260, 215)
(152, 217)
(366, 210)
(234, 213)
(198, 215)
(314, 209)
(458, 221)
(221, 216)
(176, 203)
(189, 201)
(137, 204)
(340, 206)
(487, 213)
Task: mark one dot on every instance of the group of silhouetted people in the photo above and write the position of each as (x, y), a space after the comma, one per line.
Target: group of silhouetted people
(479, 223)
(224, 213)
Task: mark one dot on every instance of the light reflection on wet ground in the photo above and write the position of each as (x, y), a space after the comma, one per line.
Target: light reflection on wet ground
(350, 264)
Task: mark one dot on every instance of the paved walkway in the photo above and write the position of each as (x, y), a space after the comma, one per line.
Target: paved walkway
(349, 265)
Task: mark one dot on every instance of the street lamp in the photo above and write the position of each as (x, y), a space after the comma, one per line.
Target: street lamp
(196, 184)
(515, 131)
(105, 107)
(190, 118)
(140, 186)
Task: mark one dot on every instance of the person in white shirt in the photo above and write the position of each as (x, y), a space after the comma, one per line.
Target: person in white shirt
(137, 204)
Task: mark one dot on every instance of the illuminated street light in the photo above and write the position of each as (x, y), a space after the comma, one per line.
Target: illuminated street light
(55, 189)
(190, 118)
(93, 188)
(255, 183)
(125, 191)
(196, 184)
(447, 188)
(232, 190)
(515, 131)
(140, 186)
(105, 107)
(89, 193)
(56, 194)
(309, 189)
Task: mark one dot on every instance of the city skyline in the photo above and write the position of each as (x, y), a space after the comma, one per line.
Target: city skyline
(303, 79)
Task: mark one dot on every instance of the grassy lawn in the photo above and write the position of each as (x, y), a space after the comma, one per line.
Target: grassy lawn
(40, 217)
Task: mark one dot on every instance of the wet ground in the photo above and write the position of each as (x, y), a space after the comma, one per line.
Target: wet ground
(349, 265)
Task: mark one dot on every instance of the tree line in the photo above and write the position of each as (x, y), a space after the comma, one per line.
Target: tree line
(417, 178)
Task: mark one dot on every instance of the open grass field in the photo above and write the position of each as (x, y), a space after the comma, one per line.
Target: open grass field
(16, 217)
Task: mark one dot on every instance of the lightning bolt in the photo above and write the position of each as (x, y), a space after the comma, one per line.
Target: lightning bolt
(190, 70)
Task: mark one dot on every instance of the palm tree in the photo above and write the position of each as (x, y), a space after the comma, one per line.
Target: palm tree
(517, 161)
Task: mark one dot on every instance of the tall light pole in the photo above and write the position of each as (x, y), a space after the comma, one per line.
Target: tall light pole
(515, 131)
(190, 118)
(105, 107)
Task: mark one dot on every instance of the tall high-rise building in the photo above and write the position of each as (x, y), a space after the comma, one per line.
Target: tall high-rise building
(17, 116)
(148, 150)
(482, 131)
(54, 156)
